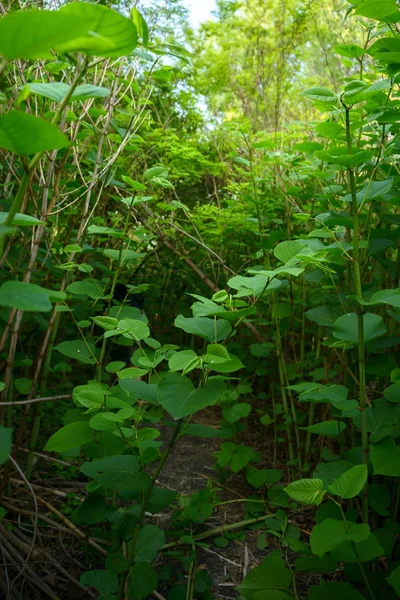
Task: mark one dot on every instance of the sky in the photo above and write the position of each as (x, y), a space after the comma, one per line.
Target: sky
(200, 10)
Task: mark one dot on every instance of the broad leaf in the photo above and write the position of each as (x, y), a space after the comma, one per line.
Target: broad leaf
(346, 327)
(331, 428)
(334, 590)
(57, 91)
(149, 542)
(77, 349)
(25, 134)
(71, 436)
(119, 473)
(212, 330)
(351, 482)
(330, 533)
(270, 580)
(28, 296)
(180, 398)
(385, 457)
(306, 491)
(142, 581)
(104, 582)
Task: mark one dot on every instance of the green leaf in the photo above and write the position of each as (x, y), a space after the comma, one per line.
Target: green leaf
(392, 393)
(257, 477)
(314, 564)
(212, 330)
(365, 550)
(334, 590)
(216, 354)
(180, 360)
(80, 26)
(5, 443)
(57, 91)
(321, 94)
(349, 50)
(378, 9)
(132, 329)
(149, 542)
(21, 220)
(178, 396)
(141, 25)
(351, 482)
(78, 350)
(73, 435)
(394, 580)
(120, 473)
(330, 533)
(104, 582)
(142, 581)
(86, 287)
(270, 580)
(330, 130)
(236, 412)
(385, 458)
(28, 296)
(285, 251)
(306, 491)
(25, 134)
(330, 428)
(106, 323)
(346, 327)
(391, 297)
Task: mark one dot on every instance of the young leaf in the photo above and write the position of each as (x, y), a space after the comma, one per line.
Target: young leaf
(351, 482)
(306, 491)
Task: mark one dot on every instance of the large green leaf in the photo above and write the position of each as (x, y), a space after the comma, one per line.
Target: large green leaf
(351, 482)
(346, 327)
(391, 297)
(149, 542)
(57, 91)
(381, 10)
(28, 296)
(270, 580)
(334, 590)
(180, 398)
(385, 457)
(119, 473)
(24, 134)
(78, 350)
(212, 330)
(79, 26)
(104, 582)
(142, 581)
(330, 533)
(71, 436)
(394, 580)
(306, 491)
(87, 287)
(330, 428)
(21, 220)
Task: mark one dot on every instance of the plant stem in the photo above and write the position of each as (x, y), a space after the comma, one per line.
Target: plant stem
(360, 318)
(146, 498)
(218, 530)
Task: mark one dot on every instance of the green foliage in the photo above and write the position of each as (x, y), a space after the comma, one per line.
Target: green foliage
(260, 222)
